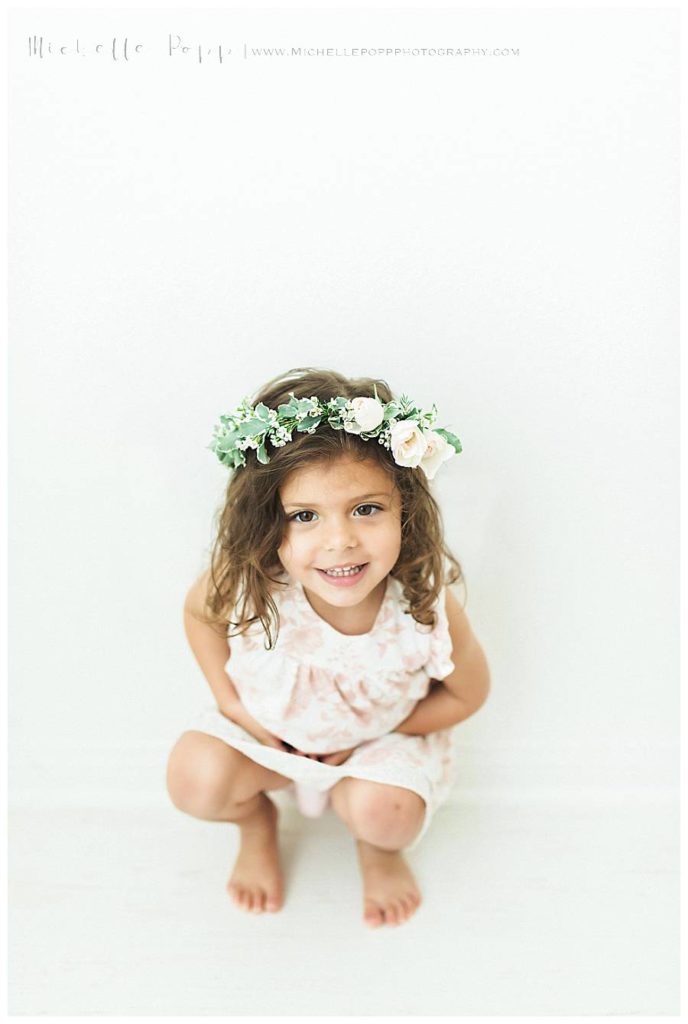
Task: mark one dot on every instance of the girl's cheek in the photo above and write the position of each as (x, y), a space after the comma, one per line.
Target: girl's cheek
(284, 552)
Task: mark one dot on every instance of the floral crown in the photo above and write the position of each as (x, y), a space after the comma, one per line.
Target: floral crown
(401, 426)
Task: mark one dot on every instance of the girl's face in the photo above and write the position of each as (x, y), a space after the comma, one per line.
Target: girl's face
(340, 514)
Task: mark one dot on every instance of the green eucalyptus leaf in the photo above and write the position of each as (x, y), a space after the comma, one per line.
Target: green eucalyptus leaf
(249, 428)
(224, 444)
(307, 422)
(450, 438)
(288, 409)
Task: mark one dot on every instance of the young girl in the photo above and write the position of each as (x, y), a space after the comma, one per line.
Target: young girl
(338, 657)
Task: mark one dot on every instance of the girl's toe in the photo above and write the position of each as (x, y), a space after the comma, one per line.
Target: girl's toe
(391, 914)
(373, 915)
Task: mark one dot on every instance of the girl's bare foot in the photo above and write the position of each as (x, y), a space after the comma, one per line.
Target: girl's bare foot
(390, 893)
(256, 882)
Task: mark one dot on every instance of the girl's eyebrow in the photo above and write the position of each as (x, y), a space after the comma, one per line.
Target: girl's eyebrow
(354, 501)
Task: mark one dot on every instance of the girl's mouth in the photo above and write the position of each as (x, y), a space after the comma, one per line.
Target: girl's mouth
(344, 577)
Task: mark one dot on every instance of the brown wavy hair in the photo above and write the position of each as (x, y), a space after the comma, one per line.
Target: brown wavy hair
(250, 526)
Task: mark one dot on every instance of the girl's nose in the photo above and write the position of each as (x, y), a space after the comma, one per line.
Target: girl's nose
(341, 536)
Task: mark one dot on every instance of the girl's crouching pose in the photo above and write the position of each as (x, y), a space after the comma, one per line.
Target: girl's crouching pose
(327, 600)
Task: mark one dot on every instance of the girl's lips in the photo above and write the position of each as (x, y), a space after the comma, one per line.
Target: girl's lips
(344, 581)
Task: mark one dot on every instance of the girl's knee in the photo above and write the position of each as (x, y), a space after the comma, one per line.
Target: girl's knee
(386, 816)
(201, 774)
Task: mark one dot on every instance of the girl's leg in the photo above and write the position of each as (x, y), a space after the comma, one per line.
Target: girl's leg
(211, 780)
(382, 819)
(389, 817)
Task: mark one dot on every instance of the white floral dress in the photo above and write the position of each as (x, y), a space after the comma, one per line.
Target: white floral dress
(323, 691)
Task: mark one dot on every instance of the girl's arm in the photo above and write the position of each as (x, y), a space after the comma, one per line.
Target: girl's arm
(211, 650)
(461, 693)
(438, 710)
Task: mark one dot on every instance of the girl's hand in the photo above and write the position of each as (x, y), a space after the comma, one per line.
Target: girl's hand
(339, 757)
(238, 713)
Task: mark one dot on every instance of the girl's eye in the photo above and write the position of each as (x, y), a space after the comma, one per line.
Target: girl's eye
(305, 513)
(371, 509)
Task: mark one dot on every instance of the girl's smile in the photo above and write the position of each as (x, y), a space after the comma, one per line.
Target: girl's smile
(345, 577)
(342, 538)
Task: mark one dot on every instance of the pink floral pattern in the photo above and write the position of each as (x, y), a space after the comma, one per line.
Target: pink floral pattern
(323, 691)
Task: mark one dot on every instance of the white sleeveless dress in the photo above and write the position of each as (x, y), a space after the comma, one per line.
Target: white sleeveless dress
(323, 691)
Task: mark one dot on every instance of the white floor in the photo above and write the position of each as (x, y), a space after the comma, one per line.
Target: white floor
(539, 908)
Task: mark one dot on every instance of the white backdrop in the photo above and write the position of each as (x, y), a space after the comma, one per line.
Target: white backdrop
(495, 233)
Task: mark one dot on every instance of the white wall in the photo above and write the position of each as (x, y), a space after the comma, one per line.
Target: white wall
(496, 234)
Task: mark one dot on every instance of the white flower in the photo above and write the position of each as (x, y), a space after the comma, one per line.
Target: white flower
(368, 413)
(407, 442)
(349, 420)
(437, 452)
